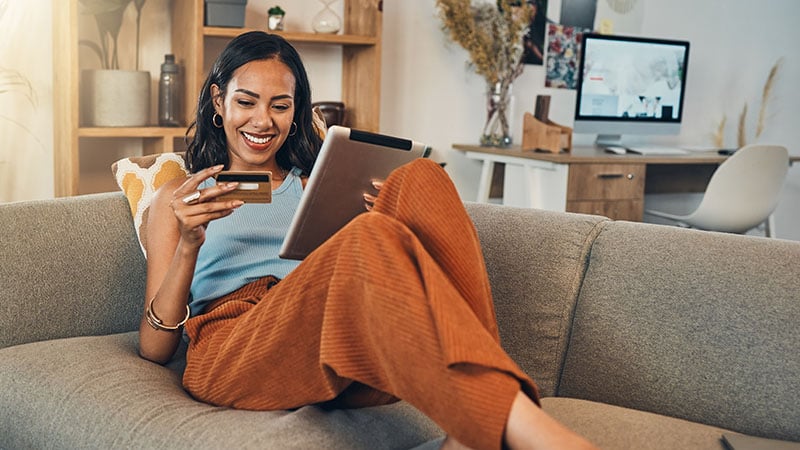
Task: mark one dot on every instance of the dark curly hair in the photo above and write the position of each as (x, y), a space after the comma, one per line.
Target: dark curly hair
(208, 146)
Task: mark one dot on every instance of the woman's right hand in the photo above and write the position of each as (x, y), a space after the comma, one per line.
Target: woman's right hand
(194, 208)
(175, 231)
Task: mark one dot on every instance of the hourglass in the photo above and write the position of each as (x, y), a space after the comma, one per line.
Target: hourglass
(326, 21)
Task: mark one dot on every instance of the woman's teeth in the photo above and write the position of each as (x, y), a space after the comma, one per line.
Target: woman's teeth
(256, 140)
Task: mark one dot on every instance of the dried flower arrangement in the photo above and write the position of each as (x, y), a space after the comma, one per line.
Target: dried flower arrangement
(491, 32)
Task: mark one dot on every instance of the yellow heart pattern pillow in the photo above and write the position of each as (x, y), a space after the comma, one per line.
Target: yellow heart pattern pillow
(140, 177)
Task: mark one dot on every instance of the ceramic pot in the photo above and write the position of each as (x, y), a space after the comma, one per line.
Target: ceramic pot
(115, 98)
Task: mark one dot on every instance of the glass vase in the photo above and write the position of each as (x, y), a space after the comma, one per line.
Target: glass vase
(497, 130)
(326, 21)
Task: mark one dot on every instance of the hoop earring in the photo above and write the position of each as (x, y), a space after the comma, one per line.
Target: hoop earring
(295, 129)
(214, 120)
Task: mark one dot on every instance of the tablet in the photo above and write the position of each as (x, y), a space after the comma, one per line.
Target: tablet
(348, 162)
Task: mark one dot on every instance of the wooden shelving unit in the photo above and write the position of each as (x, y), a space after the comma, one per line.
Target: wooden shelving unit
(361, 77)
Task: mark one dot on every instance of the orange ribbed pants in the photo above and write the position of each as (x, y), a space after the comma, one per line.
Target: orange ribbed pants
(397, 304)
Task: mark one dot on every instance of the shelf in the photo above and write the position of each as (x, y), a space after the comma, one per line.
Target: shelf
(155, 139)
(360, 72)
(132, 132)
(304, 38)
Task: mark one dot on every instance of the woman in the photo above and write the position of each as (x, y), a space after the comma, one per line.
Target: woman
(395, 305)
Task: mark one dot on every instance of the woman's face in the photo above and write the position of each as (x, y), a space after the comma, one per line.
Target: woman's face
(257, 112)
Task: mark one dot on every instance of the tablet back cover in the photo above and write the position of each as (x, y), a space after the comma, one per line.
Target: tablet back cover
(348, 162)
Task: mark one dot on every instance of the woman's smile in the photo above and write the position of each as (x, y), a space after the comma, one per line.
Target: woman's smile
(257, 142)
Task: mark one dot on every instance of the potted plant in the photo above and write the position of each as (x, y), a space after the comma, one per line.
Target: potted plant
(112, 96)
(275, 19)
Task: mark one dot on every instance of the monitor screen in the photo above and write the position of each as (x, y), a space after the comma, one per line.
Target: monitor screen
(630, 85)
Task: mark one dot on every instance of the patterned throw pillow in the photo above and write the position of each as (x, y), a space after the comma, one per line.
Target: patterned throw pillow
(139, 177)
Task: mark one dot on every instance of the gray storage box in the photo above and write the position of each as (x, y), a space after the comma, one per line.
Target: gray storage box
(225, 13)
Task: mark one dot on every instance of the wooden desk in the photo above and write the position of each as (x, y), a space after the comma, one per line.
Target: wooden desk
(590, 180)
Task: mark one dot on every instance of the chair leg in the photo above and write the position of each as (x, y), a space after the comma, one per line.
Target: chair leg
(769, 226)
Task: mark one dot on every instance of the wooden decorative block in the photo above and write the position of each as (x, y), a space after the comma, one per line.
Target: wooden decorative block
(546, 136)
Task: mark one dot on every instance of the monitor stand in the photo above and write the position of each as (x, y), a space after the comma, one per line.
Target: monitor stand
(608, 140)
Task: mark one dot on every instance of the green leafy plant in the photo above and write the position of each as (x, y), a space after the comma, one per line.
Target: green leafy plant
(108, 15)
(276, 11)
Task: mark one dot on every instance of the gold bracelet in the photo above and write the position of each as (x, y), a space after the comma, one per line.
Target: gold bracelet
(158, 324)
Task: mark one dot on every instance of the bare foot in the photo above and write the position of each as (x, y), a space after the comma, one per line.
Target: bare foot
(530, 428)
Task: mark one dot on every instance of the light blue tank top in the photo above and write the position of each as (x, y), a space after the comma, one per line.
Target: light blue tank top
(243, 247)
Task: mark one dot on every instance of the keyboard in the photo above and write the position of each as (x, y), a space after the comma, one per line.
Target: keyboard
(656, 150)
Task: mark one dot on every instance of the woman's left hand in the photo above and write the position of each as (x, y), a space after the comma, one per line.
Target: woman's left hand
(369, 199)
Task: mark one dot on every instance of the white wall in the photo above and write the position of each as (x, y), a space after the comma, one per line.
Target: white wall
(428, 93)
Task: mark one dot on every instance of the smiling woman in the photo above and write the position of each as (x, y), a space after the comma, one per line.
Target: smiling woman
(26, 111)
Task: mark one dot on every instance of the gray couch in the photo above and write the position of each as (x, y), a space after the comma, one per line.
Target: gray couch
(640, 336)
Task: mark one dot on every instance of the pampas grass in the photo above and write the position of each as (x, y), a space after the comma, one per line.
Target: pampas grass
(719, 135)
(765, 96)
(761, 122)
(741, 136)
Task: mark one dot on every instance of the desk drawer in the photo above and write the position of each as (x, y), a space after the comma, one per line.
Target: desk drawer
(632, 210)
(605, 182)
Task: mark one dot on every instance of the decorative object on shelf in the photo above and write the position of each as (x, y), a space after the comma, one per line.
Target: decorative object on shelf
(225, 13)
(326, 21)
(169, 93)
(499, 105)
(275, 18)
(332, 112)
(542, 134)
(113, 97)
(491, 32)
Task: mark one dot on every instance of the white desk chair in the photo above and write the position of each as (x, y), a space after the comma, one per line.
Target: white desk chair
(742, 193)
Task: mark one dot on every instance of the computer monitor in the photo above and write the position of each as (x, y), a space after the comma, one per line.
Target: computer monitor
(630, 85)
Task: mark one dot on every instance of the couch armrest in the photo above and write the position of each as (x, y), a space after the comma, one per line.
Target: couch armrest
(691, 324)
(69, 267)
(536, 260)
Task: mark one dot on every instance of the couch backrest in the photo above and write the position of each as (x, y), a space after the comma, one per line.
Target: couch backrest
(535, 260)
(70, 266)
(691, 324)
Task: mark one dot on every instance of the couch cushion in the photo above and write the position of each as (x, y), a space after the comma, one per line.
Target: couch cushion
(70, 266)
(535, 260)
(612, 427)
(95, 392)
(690, 324)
